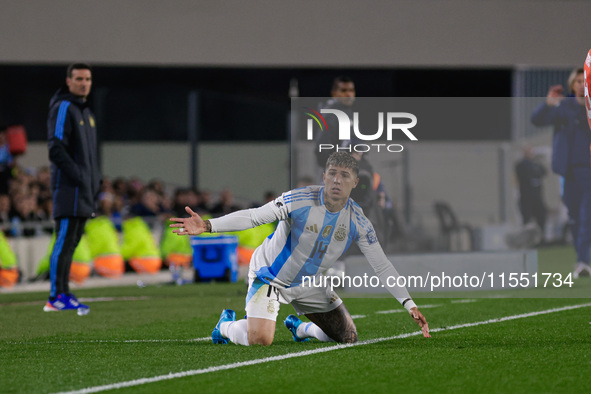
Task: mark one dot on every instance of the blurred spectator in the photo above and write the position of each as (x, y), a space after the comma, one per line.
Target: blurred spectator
(6, 162)
(5, 213)
(120, 187)
(44, 181)
(195, 200)
(343, 97)
(571, 159)
(148, 205)
(180, 201)
(107, 185)
(225, 204)
(158, 186)
(110, 205)
(134, 190)
(267, 197)
(46, 214)
(26, 210)
(530, 176)
(204, 201)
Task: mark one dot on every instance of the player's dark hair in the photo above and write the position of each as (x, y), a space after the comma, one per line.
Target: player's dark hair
(340, 79)
(343, 159)
(77, 66)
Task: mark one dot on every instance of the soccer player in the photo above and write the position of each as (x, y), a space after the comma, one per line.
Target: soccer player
(316, 225)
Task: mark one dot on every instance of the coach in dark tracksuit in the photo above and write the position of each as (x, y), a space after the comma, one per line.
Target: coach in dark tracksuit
(75, 174)
(571, 159)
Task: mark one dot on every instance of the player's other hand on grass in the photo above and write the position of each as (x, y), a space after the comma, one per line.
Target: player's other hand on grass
(418, 317)
(192, 225)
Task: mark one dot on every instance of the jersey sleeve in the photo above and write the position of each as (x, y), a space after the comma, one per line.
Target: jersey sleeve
(373, 252)
(59, 135)
(249, 218)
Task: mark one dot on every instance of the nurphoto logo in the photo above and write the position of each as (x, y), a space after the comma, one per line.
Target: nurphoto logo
(389, 122)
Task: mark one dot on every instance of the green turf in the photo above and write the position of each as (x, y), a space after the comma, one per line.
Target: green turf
(51, 352)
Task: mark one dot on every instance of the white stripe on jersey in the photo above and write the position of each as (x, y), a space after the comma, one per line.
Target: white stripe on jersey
(311, 239)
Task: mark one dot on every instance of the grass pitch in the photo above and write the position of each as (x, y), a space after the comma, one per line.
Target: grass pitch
(136, 333)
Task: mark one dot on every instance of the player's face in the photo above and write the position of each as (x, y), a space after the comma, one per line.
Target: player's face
(578, 86)
(338, 182)
(345, 93)
(80, 83)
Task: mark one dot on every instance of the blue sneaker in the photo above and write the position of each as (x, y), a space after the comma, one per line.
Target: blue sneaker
(65, 302)
(81, 308)
(216, 335)
(61, 303)
(292, 322)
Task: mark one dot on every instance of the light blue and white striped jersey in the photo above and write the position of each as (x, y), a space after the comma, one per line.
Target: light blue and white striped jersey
(309, 238)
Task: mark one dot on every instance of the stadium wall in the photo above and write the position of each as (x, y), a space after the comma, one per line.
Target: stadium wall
(297, 33)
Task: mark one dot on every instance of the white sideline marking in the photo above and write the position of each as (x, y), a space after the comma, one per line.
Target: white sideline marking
(138, 382)
(95, 299)
(114, 341)
(465, 301)
(404, 310)
(107, 299)
(358, 316)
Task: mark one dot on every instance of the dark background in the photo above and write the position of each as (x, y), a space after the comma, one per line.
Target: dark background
(150, 103)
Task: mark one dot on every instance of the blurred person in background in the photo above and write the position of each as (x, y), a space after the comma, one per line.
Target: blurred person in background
(5, 211)
(571, 159)
(204, 203)
(158, 186)
(149, 205)
(6, 162)
(343, 97)
(225, 204)
(180, 201)
(27, 212)
(75, 178)
(530, 176)
(44, 178)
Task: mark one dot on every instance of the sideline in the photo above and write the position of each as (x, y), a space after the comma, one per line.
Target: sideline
(139, 382)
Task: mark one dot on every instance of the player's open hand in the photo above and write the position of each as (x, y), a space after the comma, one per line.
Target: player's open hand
(418, 317)
(192, 225)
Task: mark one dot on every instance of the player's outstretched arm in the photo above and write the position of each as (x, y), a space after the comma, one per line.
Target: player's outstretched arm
(193, 225)
(418, 317)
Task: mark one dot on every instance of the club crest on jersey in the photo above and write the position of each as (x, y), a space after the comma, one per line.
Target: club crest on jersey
(326, 231)
(91, 121)
(340, 234)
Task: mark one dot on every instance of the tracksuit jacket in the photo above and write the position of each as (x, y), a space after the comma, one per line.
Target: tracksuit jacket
(572, 137)
(72, 140)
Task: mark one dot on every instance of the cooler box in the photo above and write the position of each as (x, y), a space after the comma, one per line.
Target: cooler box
(215, 258)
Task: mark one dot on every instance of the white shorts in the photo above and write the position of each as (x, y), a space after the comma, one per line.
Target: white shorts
(262, 300)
